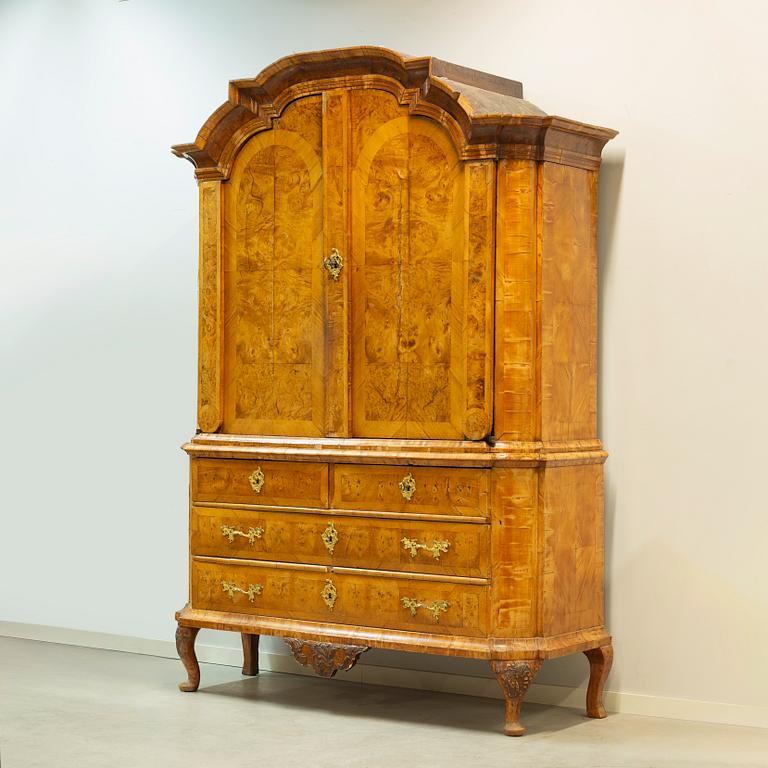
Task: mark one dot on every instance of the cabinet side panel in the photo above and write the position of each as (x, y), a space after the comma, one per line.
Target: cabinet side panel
(515, 365)
(209, 392)
(568, 303)
(514, 553)
(572, 507)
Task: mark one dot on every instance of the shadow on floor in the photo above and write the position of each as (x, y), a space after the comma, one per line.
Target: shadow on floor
(396, 704)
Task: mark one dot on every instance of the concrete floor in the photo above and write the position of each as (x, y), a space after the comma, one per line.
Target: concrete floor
(63, 706)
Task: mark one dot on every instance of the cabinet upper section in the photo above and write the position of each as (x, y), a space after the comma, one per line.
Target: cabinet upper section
(395, 247)
(485, 115)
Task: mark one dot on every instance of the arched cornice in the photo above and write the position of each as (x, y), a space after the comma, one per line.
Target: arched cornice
(485, 115)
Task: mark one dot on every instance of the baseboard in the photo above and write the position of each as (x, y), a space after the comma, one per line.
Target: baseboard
(554, 695)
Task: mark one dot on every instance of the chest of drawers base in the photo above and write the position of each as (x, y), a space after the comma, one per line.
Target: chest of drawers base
(339, 557)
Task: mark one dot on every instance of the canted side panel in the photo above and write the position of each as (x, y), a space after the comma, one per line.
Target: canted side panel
(573, 557)
(274, 364)
(209, 397)
(516, 264)
(514, 553)
(568, 303)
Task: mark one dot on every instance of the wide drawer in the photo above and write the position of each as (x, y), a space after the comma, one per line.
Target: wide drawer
(459, 549)
(272, 483)
(315, 593)
(433, 490)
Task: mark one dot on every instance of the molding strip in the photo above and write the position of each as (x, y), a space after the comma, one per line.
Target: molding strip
(552, 695)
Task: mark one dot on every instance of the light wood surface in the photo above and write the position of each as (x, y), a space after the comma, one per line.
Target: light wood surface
(360, 599)
(459, 549)
(398, 371)
(285, 483)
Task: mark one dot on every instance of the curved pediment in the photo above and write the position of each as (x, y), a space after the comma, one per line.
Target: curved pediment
(485, 115)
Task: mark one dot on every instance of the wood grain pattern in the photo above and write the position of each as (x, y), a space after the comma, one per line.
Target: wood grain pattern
(571, 504)
(569, 303)
(600, 662)
(515, 412)
(515, 526)
(285, 483)
(361, 599)
(410, 214)
(514, 677)
(209, 388)
(326, 659)
(185, 647)
(478, 647)
(481, 113)
(438, 490)
(403, 453)
(291, 537)
(336, 140)
(274, 361)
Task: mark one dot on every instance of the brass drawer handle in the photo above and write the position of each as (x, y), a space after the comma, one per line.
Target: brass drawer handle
(253, 589)
(334, 263)
(408, 486)
(436, 548)
(435, 608)
(329, 594)
(228, 532)
(330, 537)
(256, 479)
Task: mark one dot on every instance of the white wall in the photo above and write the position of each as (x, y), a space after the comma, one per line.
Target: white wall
(98, 291)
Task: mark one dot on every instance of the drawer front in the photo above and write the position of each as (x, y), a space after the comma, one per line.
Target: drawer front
(433, 490)
(341, 598)
(278, 483)
(457, 549)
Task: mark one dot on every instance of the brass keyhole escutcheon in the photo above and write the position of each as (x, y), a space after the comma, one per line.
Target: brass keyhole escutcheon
(329, 594)
(330, 537)
(408, 486)
(334, 263)
(256, 479)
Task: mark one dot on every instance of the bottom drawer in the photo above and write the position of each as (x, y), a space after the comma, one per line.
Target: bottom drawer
(314, 593)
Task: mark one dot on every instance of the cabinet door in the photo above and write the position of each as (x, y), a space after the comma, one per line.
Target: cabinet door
(272, 240)
(422, 285)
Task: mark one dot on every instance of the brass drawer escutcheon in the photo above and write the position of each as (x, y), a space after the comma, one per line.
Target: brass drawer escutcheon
(251, 534)
(330, 537)
(436, 548)
(334, 263)
(435, 608)
(253, 589)
(408, 486)
(256, 479)
(329, 594)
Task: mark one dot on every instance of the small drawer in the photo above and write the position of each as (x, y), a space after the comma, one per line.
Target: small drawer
(316, 594)
(431, 490)
(456, 549)
(261, 483)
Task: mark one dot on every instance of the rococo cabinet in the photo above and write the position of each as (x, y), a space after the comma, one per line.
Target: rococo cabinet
(397, 442)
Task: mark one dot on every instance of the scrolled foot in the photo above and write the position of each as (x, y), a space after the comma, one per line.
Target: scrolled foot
(514, 677)
(250, 654)
(185, 645)
(600, 661)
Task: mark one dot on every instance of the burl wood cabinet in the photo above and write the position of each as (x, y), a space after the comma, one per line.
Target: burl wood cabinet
(396, 442)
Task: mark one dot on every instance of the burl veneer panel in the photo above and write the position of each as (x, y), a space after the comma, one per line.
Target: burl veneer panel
(571, 499)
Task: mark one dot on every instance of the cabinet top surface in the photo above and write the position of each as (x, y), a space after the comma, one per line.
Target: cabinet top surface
(485, 114)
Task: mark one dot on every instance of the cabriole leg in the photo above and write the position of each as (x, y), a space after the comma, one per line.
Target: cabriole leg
(250, 654)
(185, 645)
(600, 661)
(514, 677)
